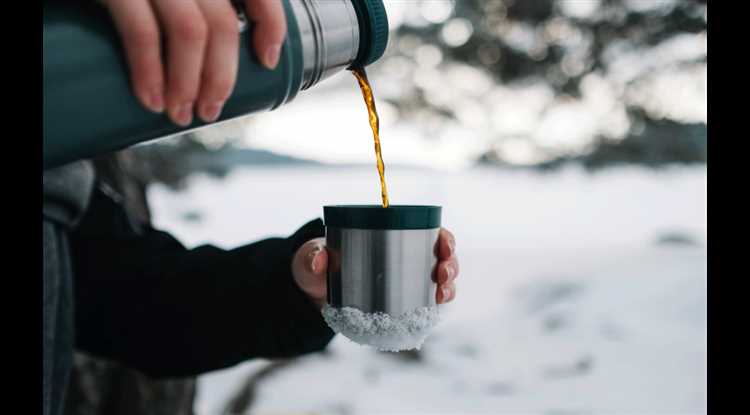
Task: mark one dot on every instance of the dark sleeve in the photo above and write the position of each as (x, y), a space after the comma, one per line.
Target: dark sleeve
(145, 300)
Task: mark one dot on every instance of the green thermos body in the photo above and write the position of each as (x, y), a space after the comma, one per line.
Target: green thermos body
(89, 107)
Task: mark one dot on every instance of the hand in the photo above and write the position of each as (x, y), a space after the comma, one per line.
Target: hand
(310, 265)
(309, 268)
(202, 40)
(446, 269)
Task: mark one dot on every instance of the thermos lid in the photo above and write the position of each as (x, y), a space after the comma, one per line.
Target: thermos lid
(373, 31)
(395, 217)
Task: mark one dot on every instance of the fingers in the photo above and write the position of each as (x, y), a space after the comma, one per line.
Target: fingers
(309, 267)
(202, 42)
(445, 293)
(270, 29)
(187, 35)
(319, 263)
(445, 274)
(446, 244)
(221, 58)
(446, 271)
(447, 268)
(312, 258)
(139, 29)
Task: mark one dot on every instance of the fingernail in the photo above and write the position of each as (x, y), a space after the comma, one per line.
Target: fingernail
(156, 100)
(272, 56)
(450, 271)
(184, 114)
(452, 246)
(446, 294)
(313, 255)
(211, 111)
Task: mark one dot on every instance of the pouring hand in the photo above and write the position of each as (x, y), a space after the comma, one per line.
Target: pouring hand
(202, 41)
(446, 269)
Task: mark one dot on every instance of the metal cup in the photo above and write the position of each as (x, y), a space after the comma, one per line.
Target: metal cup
(382, 259)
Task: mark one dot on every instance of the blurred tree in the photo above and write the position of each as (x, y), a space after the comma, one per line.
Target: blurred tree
(558, 44)
(508, 71)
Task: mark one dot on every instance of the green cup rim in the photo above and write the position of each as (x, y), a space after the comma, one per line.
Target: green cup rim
(394, 217)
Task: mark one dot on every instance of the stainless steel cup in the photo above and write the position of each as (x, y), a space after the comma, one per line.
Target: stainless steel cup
(382, 259)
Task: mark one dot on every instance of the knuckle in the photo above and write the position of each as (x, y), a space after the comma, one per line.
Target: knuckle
(226, 33)
(280, 19)
(281, 29)
(451, 238)
(225, 26)
(219, 87)
(143, 37)
(193, 31)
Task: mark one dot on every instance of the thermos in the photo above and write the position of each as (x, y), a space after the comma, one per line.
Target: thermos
(89, 107)
(381, 260)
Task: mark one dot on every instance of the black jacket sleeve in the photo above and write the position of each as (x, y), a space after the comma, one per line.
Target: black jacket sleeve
(145, 300)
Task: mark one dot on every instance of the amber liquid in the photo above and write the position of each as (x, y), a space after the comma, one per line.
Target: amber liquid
(364, 85)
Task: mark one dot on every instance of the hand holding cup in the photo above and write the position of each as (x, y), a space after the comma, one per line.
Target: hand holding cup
(311, 261)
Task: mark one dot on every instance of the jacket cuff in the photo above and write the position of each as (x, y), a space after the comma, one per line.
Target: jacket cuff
(305, 329)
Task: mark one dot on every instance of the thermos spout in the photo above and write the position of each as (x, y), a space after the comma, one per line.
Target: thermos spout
(330, 37)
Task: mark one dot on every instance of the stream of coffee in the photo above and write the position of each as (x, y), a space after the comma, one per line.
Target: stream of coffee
(364, 85)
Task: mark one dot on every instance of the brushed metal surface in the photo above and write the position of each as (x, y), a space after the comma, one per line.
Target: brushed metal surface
(388, 271)
(330, 37)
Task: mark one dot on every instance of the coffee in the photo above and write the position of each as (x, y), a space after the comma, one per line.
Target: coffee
(364, 85)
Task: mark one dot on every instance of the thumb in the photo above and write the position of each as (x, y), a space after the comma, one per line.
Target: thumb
(309, 268)
(311, 258)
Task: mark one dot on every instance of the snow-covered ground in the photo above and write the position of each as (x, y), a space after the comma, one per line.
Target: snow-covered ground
(567, 303)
